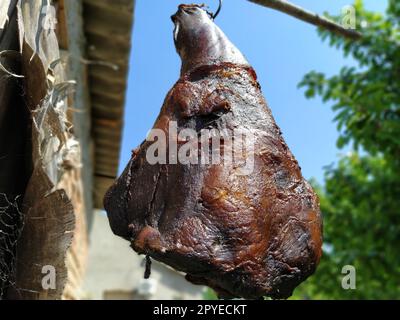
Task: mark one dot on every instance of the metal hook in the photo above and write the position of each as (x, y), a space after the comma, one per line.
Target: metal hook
(218, 10)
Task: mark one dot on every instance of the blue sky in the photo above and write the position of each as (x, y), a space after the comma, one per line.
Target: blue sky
(280, 48)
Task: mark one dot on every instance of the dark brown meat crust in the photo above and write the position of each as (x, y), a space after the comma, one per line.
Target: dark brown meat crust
(243, 235)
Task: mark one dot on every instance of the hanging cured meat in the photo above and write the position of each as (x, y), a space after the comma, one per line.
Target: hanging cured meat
(250, 227)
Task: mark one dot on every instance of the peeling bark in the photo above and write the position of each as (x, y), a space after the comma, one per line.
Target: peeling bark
(48, 213)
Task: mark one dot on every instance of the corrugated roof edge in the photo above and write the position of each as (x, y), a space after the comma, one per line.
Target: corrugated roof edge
(108, 29)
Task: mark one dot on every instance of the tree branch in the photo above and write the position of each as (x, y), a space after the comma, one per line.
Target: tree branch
(308, 16)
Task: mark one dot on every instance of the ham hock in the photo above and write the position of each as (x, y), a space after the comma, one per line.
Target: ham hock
(244, 233)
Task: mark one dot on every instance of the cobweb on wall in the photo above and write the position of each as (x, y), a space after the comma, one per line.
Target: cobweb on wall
(11, 224)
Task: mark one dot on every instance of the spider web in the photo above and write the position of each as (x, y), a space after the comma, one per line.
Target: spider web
(11, 224)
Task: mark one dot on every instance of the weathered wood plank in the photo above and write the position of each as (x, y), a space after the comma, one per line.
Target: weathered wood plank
(48, 210)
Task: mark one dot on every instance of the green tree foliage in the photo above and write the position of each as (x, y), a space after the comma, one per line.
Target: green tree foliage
(360, 199)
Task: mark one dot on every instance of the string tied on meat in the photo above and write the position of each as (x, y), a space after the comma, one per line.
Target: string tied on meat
(147, 270)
